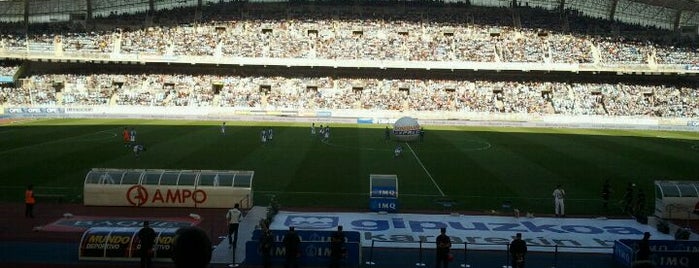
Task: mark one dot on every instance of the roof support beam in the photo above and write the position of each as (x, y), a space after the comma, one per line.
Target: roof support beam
(151, 7)
(612, 9)
(676, 24)
(26, 17)
(561, 5)
(88, 7)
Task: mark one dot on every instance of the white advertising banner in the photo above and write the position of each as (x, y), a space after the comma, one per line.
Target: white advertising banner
(480, 232)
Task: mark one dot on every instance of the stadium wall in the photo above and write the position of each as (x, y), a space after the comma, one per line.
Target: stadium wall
(357, 117)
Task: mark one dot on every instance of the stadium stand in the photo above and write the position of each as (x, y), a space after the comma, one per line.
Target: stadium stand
(616, 99)
(578, 33)
(376, 33)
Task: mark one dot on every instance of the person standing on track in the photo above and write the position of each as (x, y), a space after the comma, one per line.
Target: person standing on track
(233, 218)
(337, 247)
(147, 237)
(443, 246)
(29, 201)
(643, 253)
(518, 250)
(558, 196)
(292, 245)
(266, 245)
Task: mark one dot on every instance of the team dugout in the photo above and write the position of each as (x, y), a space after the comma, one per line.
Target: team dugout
(677, 199)
(168, 188)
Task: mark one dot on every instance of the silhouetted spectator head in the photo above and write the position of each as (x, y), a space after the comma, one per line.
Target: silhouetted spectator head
(191, 248)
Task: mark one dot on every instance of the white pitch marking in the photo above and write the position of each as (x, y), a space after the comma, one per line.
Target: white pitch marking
(425, 169)
(83, 136)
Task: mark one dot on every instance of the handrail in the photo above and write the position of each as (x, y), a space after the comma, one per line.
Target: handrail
(466, 252)
(26, 54)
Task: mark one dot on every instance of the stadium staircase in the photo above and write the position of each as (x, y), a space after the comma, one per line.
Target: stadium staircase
(113, 99)
(116, 44)
(596, 58)
(651, 59)
(500, 105)
(516, 20)
(148, 21)
(59, 98)
(565, 27)
(168, 98)
(198, 15)
(547, 52)
(497, 54)
(604, 107)
(216, 101)
(263, 100)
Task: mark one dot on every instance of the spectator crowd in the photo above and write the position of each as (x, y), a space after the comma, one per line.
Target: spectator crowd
(475, 34)
(478, 35)
(276, 92)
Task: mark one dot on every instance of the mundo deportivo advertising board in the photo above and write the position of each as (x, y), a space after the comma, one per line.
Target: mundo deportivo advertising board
(480, 232)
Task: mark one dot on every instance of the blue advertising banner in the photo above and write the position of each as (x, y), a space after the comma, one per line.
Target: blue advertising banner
(323, 113)
(383, 191)
(365, 120)
(34, 111)
(383, 204)
(665, 253)
(312, 254)
(309, 235)
(114, 243)
(5, 79)
(623, 254)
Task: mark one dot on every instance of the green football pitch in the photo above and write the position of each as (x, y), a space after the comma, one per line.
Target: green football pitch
(478, 168)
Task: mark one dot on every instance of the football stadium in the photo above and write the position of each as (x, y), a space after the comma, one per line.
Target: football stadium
(226, 124)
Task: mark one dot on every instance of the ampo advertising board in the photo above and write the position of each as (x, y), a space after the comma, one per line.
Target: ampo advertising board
(163, 196)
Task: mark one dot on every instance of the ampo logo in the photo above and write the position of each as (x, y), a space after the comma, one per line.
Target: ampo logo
(138, 195)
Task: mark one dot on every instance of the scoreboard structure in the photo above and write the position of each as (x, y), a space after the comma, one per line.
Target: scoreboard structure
(383, 192)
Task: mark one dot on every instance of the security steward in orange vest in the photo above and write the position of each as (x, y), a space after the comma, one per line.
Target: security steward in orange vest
(29, 201)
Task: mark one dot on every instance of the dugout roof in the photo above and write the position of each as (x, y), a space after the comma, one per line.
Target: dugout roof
(676, 189)
(214, 178)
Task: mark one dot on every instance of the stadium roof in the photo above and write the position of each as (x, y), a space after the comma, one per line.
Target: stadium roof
(690, 5)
